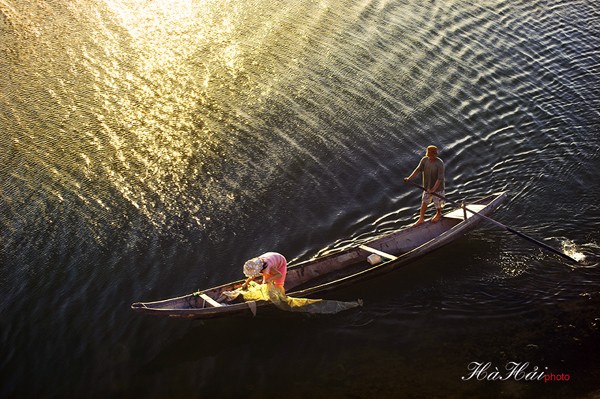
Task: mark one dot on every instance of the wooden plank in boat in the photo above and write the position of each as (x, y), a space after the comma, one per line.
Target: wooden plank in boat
(460, 213)
(210, 300)
(378, 252)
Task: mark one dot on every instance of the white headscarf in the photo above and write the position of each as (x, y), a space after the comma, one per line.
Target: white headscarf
(253, 267)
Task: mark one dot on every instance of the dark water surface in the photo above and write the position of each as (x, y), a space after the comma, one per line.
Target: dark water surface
(148, 148)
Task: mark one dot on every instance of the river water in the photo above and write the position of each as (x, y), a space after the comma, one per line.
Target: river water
(148, 148)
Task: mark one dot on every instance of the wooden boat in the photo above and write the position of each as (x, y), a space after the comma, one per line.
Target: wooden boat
(345, 267)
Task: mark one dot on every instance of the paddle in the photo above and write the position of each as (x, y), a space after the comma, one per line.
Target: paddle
(509, 229)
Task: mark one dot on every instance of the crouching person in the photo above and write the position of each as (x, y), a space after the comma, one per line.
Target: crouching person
(272, 266)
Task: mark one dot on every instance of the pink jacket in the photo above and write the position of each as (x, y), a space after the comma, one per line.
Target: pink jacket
(275, 262)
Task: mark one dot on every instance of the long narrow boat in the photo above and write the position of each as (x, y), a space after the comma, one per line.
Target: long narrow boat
(339, 269)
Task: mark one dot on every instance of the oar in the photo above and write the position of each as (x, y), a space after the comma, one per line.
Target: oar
(507, 228)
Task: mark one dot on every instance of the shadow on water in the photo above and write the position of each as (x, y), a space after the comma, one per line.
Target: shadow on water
(381, 357)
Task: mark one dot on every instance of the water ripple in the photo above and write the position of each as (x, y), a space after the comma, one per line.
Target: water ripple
(149, 148)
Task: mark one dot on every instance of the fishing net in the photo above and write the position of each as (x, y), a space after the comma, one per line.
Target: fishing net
(270, 293)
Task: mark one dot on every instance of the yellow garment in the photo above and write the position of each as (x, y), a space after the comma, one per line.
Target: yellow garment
(270, 292)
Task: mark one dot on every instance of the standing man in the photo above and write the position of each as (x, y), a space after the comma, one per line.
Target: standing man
(432, 169)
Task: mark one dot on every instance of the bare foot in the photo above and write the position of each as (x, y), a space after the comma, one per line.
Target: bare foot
(437, 217)
(418, 222)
